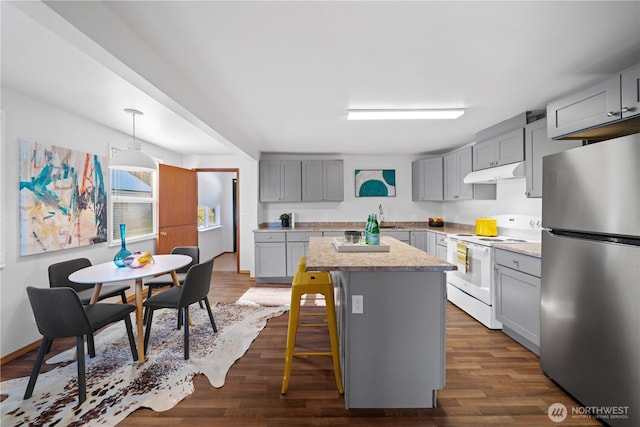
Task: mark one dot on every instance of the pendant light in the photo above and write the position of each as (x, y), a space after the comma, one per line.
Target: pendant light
(132, 159)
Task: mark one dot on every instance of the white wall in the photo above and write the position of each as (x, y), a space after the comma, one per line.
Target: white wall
(33, 120)
(247, 198)
(215, 241)
(510, 198)
(30, 119)
(398, 208)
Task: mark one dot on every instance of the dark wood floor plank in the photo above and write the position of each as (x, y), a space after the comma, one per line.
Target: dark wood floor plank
(491, 381)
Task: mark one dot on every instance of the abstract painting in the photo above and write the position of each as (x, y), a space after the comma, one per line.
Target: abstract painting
(375, 182)
(63, 199)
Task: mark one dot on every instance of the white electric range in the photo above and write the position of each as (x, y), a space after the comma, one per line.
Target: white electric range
(474, 290)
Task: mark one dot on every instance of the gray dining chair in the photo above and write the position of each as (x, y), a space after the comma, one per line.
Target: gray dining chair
(59, 277)
(60, 313)
(194, 289)
(165, 280)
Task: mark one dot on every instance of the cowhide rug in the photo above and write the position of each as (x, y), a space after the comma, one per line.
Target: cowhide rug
(269, 296)
(116, 385)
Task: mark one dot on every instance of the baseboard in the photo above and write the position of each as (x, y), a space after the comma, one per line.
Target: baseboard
(19, 352)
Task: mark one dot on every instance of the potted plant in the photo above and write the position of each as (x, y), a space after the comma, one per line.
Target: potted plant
(284, 219)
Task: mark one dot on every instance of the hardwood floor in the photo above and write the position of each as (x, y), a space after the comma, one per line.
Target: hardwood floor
(225, 262)
(491, 380)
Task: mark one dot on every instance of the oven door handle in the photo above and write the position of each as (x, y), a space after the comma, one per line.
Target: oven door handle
(483, 248)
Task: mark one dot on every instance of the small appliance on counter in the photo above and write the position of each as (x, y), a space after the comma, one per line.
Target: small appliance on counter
(486, 227)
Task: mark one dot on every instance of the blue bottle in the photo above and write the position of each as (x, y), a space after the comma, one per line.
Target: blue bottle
(123, 252)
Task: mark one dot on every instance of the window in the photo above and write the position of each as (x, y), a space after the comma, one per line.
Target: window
(208, 216)
(133, 202)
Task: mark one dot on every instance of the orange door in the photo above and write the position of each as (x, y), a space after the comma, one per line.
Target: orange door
(177, 208)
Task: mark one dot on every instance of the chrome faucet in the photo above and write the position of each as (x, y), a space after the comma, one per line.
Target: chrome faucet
(380, 214)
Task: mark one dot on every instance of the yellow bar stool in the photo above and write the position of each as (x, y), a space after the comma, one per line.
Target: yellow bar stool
(311, 282)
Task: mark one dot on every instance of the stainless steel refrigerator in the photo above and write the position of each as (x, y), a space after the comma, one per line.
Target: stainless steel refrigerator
(590, 305)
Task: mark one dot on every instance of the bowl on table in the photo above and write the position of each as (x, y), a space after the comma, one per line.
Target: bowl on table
(138, 259)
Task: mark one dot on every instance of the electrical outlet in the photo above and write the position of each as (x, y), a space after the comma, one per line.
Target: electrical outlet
(357, 304)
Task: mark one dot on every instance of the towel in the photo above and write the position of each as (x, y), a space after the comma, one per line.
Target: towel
(462, 257)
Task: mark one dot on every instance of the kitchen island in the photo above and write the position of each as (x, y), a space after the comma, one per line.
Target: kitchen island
(391, 313)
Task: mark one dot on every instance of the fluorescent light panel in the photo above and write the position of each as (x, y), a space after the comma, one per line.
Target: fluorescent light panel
(404, 114)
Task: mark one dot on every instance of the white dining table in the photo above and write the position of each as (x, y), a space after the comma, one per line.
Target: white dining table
(108, 272)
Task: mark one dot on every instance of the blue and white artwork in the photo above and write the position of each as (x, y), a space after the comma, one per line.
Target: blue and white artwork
(375, 182)
(63, 198)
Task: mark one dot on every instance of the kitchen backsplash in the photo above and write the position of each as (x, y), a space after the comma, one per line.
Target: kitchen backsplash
(510, 200)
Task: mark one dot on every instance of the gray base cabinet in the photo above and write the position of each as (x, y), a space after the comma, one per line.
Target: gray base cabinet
(420, 240)
(393, 354)
(431, 242)
(403, 236)
(518, 302)
(298, 246)
(441, 246)
(270, 255)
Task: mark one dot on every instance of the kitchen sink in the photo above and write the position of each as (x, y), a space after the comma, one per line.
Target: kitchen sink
(391, 227)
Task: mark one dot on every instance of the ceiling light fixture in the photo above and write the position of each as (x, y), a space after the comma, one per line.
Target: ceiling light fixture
(133, 158)
(453, 113)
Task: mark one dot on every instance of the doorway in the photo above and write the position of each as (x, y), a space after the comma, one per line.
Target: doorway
(229, 259)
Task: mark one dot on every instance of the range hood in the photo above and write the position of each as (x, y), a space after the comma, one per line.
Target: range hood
(491, 175)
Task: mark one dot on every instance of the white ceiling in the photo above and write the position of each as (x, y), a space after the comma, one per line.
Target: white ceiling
(279, 76)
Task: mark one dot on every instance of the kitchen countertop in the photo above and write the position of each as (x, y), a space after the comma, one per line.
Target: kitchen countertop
(532, 249)
(448, 228)
(401, 257)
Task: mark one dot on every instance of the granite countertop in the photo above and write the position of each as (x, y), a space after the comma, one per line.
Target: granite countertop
(401, 257)
(448, 228)
(532, 249)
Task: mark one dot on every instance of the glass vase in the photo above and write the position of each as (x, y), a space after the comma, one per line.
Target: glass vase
(123, 252)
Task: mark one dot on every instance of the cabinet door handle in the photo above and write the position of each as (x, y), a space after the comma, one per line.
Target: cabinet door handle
(517, 263)
(613, 113)
(627, 109)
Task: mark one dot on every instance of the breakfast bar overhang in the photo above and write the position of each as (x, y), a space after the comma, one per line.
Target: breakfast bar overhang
(392, 340)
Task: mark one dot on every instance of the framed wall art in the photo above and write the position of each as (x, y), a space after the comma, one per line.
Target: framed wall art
(375, 182)
(63, 199)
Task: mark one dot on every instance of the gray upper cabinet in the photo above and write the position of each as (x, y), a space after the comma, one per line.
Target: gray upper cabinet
(322, 180)
(280, 181)
(427, 179)
(537, 145)
(582, 115)
(499, 150)
(457, 165)
(630, 86)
